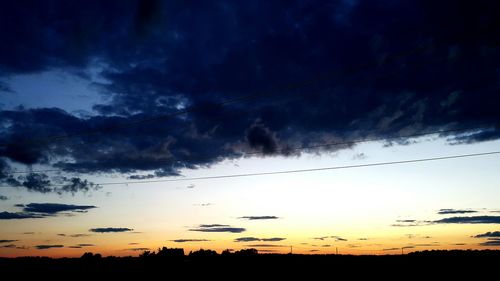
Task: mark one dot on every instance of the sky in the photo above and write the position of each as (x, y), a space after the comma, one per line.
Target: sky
(358, 127)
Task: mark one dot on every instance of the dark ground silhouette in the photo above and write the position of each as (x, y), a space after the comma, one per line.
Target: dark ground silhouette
(168, 264)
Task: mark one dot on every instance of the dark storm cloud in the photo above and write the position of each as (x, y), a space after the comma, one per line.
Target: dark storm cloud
(16, 216)
(470, 220)
(45, 247)
(53, 208)
(454, 211)
(189, 240)
(217, 228)
(400, 68)
(110, 229)
(253, 239)
(488, 234)
(259, 217)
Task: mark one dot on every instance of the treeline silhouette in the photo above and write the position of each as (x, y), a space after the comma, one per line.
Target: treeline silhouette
(167, 263)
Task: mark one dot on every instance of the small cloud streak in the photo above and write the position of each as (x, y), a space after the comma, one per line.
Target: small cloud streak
(491, 242)
(454, 211)
(45, 247)
(110, 229)
(53, 208)
(7, 241)
(265, 245)
(254, 239)
(488, 234)
(336, 238)
(471, 220)
(137, 249)
(259, 218)
(18, 216)
(217, 228)
(189, 240)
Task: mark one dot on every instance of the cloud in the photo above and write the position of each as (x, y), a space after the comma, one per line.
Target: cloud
(45, 247)
(16, 216)
(217, 228)
(110, 229)
(7, 241)
(203, 204)
(265, 245)
(79, 246)
(259, 217)
(75, 185)
(189, 240)
(336, 238)
(454, 211)
(53, 208)
(488, 234)
(408, 223)
(491, 242)
(391, 249)
(164, 69)
(140, 249)
(79, 235)
(253, 239)
(470, 220)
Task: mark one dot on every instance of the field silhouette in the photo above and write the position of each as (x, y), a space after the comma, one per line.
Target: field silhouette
(170, 263)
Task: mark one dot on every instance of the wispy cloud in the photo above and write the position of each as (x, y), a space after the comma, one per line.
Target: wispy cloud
(18, 216)
(259, 217)
(471, 220)
(265, 245)
(494, 242)
(110, 229)
(7, 241)
(488, 234)
(334, 237)
(140, 249)
(253, 239)
(79, 246)
(189, 240)
(217, 228)
(44, 247)
(454, 211)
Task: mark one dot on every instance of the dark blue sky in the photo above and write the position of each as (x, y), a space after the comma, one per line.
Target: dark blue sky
(317, 70)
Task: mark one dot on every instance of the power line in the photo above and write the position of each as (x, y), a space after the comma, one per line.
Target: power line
(298, 171)
(299, 148)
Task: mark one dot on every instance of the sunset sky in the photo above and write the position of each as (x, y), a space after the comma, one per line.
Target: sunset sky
(363, 127)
